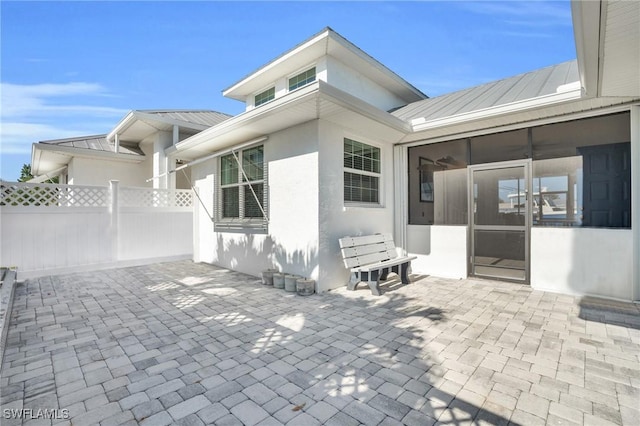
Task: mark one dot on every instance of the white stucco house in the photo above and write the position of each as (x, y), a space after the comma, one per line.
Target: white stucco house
(533, 179)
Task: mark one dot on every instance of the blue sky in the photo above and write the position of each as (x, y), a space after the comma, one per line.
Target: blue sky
(76, 68)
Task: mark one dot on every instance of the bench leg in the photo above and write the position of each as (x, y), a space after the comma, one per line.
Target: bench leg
(385, 272)
(353, 281)
(374, 283)
(404, 273)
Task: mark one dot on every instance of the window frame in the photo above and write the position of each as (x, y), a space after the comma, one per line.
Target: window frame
(299, 73)
(379, 175)
(255, 96)
(242, 221)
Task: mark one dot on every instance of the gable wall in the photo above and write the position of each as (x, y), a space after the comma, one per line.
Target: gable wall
(90, 171)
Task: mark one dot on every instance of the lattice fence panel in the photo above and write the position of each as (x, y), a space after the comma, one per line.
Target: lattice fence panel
(146, 197)
(52, 195)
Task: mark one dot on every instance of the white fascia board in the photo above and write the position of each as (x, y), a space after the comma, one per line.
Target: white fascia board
(420, 124)
(299, 95)
(123, 125)
(586, 16)
(88, 153)
(353, 103)
(35, 158)
(228, 92)
(312, 91)
(455, 132)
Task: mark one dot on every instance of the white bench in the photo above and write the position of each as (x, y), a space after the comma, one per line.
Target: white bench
(370, 258)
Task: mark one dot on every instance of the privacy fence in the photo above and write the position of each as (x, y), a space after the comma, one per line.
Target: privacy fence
(52, 228)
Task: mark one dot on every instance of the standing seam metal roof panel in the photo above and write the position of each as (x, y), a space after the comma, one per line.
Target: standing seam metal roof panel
(521, 87)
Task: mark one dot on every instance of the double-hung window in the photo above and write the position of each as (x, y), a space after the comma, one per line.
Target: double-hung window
(242, 195)
(361, 172)
(302, 79)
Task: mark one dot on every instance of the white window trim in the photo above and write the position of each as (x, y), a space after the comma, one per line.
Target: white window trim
(298, 72)
(347, 205)
(221, 223)
(272, 86)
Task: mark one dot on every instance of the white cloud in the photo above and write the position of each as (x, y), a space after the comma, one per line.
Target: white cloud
(31, 113)
(34, 100)
(520, 13)
(17, 137)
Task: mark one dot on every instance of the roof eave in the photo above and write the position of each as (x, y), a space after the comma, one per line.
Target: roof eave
(586, 16)
(421, 124)
(85, 152)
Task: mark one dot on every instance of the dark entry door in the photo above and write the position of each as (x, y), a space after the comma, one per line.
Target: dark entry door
(499, 213)
(607, 189)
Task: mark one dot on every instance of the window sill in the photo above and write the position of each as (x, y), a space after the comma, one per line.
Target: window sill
(355, 206)
(241, 225)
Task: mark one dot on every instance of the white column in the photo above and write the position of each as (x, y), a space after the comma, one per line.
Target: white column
(163, 140)
(400, 215)
(635, 199)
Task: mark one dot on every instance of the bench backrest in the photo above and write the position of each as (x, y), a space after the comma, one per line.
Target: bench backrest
(359, 251)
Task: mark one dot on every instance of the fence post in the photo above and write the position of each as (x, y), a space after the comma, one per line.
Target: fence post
(113, 214)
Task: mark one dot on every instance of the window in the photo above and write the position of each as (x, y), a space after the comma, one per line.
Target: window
(264, 97)
(361, 172)
(438, 183)
(302, 79)
(242, 189)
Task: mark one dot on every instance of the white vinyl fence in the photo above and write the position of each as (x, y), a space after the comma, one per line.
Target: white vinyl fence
(52, 228)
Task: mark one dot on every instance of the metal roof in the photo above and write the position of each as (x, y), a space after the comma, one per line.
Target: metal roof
(545, 81)
(202, 117)
(95, 143)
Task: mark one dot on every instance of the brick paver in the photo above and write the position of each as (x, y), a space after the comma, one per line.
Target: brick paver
(184, 343)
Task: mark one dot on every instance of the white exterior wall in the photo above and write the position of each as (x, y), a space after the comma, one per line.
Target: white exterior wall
(291, 242)
(91, 171)
(337, 220)
(441, 250)
(583, 261)
(351, 81)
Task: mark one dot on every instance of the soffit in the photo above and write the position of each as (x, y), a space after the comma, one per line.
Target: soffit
(620, 51)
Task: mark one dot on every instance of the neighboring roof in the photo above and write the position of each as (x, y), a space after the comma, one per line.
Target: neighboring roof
(203, 117)
(326, 42)
(530, 85)
(95, 143)
(139, 124)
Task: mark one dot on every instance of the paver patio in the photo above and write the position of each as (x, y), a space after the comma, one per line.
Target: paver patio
(184, 343)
